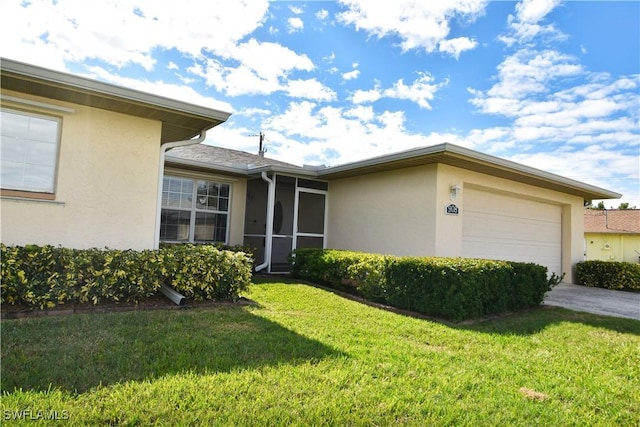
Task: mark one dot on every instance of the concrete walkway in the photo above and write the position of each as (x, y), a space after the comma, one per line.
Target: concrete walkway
(595, 300)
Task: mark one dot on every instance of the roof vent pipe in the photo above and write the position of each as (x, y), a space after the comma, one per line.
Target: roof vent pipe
(261, 149)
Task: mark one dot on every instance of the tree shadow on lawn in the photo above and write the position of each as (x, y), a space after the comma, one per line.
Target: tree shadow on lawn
(78, 352)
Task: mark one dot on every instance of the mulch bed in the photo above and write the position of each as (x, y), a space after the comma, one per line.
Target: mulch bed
(156, 302)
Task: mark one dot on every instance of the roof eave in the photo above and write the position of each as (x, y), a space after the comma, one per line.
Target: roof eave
(85, 91)
(256, 170)
(472, 160)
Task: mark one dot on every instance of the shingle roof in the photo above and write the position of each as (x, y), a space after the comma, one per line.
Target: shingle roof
(625, 221)
(223, 157)
(207, 157)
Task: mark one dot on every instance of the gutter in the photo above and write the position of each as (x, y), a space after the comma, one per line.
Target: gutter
(163, 152)
(268, 244)
(442, 152)
(170, 293)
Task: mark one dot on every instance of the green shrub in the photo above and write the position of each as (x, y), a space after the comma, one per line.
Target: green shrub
(452, 288)
(45, 276)
(203, 272)
(327, 267)
(608, 274)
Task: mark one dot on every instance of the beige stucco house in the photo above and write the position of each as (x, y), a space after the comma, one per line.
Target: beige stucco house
(80, 159)
(119, 181)
(612, 235)
(443, 200)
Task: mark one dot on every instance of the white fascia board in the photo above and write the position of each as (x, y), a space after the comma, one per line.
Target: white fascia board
(283, 170)
(245, 170)
(86, 85)
(387, 158)
(477, 157)
(531, 171)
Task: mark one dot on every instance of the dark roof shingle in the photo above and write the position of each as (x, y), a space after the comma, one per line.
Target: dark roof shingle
(223, 157)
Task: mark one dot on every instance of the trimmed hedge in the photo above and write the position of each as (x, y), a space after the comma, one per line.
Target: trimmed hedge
(451, 288)
(608, 274)
(45, 276)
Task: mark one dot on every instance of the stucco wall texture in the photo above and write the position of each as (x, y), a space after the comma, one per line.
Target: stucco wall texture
(402, 212)
(106, 184)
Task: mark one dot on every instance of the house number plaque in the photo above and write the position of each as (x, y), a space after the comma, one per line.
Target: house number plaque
(451, 209)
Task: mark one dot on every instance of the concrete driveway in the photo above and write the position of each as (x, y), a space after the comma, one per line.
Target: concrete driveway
(595, 300)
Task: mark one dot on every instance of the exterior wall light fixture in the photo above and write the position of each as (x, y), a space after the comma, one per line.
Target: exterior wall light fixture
(455, 191)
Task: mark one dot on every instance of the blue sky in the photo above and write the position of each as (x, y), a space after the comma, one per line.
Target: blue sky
(547, 83)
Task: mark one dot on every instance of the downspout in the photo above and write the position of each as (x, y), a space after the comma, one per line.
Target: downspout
(163, 151)
(170, 293)
(271, 197)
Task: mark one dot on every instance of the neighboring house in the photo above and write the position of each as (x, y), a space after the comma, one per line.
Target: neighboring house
(108, 188)
(612, 235)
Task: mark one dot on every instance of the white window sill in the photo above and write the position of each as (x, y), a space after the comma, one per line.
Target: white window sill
(28, 200)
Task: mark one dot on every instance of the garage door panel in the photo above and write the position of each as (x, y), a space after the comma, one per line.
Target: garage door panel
(487, 225)
(497, 226)
(510, 250)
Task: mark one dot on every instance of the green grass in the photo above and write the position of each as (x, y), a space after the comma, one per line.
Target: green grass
(305, 356)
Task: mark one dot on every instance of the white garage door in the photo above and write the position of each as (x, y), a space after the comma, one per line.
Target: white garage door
(497, 226)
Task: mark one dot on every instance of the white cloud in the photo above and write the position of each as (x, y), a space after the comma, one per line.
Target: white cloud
(525, 25)
(350, 75)
(526, 72)
(263, 69)
(533, 11)
(296, 10)
(418, 24)
(310, 89)
(421, 91)
(322, 14)
(270, 60)
(234, 137)
(172, 66)
(311, 133)
(329, 58)
(118, 33)
(591, 107)
(295, 25)
(253, 112)
(179, 92)
(610, 169)
(362, 113)
(455, 47)
(563, 118)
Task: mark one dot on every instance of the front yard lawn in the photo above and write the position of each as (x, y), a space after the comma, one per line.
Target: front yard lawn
(305, 356)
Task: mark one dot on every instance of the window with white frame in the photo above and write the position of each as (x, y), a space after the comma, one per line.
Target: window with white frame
(194, 210)
(28, 151)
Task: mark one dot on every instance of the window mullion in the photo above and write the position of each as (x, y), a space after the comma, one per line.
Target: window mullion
(192, 220)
